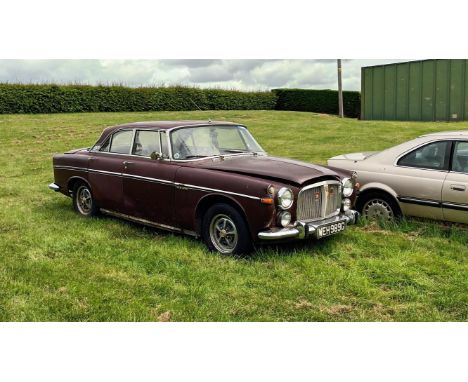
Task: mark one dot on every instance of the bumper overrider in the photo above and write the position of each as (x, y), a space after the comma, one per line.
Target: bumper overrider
(302, 230)
(54, 187)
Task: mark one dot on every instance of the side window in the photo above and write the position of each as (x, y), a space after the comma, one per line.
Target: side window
(433, 156)
(460, 157)
(146, 143)
(105, 146)
(121, 142)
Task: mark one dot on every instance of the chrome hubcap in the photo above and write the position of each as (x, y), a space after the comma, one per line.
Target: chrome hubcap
(378, 209)
(223, 233)
(84, 200)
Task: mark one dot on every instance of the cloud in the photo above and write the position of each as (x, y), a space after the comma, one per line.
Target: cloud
(246, 74)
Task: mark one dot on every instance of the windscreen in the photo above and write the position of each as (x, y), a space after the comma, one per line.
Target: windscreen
(206, 141)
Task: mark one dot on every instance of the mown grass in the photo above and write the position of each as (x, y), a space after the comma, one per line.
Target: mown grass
(57, 266)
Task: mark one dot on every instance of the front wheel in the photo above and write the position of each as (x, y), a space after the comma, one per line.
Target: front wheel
(225, 230)
(83, 200)
(377, 206)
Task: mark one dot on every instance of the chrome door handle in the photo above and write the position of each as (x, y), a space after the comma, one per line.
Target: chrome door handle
(126, 163)
(457, 187)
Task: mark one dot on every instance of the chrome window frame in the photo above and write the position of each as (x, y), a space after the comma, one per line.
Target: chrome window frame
(129, 154)
(134, 137)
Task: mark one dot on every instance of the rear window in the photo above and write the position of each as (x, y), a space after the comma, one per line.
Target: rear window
(434, 156)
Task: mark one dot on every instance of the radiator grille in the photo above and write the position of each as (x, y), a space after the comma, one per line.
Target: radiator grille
(319, 202)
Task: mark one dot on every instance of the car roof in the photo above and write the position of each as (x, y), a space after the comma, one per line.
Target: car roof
(171, 124)
(459, 133)
(162, 125)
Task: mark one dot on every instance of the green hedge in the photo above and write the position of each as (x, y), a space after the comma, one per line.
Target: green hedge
(23, 98)
(318, 101)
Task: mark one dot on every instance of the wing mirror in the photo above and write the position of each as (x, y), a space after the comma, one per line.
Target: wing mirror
(156, 156)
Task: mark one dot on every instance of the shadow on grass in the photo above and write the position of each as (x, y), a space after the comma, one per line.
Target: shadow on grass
(61, 210)
(420, 227)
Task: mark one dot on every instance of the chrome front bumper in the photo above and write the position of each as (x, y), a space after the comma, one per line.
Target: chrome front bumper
(54, 187)
(302, 230)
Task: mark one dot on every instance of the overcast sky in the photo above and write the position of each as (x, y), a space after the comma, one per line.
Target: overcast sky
(248, 74)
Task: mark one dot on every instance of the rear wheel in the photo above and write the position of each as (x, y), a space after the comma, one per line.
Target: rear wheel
(224, 230)
(378, 206)
(83, 201)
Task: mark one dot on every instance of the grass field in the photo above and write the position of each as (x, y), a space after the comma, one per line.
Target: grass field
(57, 266)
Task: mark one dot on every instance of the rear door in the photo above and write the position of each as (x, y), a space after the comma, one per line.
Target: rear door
(455, 189)
(105, 170)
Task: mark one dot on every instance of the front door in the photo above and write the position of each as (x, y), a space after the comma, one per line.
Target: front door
(418, 178)
(148, 183)
(455, 190)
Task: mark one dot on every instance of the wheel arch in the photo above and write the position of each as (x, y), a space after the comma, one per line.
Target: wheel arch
(378, 188)
(73, 180)
(208, 200)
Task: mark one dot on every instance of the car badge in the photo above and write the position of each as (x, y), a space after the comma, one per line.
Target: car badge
(317, 195)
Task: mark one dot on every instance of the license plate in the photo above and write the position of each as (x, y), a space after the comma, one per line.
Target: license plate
(330, 229)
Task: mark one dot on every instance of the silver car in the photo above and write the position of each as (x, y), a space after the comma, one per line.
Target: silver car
(425, 177)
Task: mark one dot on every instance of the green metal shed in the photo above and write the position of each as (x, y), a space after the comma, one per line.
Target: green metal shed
(427, 90)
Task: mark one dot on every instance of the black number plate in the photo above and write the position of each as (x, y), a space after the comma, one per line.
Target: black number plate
(330, 229)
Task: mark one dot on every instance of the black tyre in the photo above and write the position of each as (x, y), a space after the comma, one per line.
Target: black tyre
(83, 201)
(378, 206)
(224, 230)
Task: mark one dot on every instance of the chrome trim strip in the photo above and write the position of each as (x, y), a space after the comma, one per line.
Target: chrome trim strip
(162, 181)
(105, 172)
(148, 222)
(455, 206)
(60, 167)
(434, 203)
(191, 186)
(148, 179)
(421, 202)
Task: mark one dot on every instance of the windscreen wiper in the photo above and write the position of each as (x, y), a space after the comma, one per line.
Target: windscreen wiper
(195, 156)
(235, 151)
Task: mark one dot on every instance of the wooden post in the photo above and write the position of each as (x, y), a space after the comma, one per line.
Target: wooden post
(340, 91)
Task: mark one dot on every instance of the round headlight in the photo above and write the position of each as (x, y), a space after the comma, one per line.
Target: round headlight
(285, 197)
(284, 218)
(348, 187)
(346, 204)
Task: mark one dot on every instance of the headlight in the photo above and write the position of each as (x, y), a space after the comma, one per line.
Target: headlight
(348, 187)
(284, 218)
(346, 204)
(285, 198)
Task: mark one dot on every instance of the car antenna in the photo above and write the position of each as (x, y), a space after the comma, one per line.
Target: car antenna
(198, 107)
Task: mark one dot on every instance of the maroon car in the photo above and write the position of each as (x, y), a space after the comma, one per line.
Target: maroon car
(207, 179)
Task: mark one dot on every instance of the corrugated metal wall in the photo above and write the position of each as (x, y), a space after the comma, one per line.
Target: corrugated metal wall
(429, 90)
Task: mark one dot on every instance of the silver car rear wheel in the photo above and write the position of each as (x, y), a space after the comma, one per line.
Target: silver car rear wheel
(378, 209)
